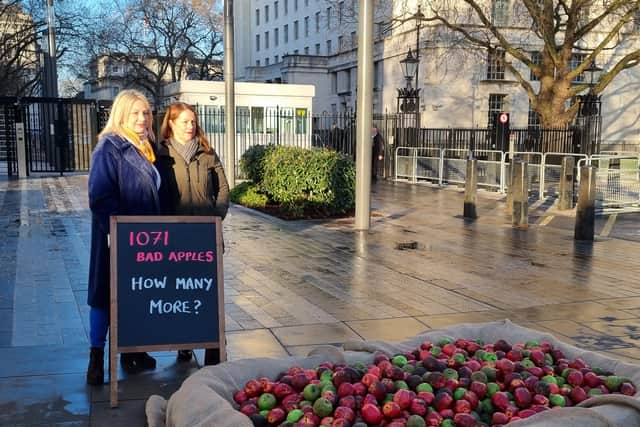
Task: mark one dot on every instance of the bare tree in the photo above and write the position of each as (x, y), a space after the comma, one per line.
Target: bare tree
(19, 56)
(163, 42)
(552, 40)
(22, 38)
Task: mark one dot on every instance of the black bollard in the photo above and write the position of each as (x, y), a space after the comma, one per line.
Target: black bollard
(586, 210)
(520, 195)
(470, 189)
(565, 198)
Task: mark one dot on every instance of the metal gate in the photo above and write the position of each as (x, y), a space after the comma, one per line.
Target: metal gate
(8, 157)
(59, 134)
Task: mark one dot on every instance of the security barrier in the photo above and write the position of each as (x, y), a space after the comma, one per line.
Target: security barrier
(617, 174)
(551, 168)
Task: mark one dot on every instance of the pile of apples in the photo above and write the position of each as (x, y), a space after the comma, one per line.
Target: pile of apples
(447, 383)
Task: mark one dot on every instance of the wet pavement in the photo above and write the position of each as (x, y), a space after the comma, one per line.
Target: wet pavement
(290, 286)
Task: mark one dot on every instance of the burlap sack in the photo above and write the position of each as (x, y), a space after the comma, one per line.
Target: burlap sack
(204, 398)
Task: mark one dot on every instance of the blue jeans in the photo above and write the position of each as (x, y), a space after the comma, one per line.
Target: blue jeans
(98, 326)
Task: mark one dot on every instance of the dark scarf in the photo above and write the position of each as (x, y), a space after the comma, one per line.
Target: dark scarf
(186, 150)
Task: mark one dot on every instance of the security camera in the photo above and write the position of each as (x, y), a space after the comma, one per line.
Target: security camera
(213, 97)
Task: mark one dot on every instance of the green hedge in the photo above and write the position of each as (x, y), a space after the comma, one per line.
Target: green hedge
(252, 163)
(247, 194)
(299, 178)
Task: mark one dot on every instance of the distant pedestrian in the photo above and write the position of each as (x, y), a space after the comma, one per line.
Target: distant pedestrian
(122, 181)
(193, 179)
(377, 153)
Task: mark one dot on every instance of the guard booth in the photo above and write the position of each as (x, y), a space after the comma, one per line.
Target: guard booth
(46, 135)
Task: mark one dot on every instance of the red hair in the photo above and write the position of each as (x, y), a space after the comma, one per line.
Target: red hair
(173, 111)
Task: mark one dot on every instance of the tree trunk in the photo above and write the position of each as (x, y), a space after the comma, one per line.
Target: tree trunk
(552, 103)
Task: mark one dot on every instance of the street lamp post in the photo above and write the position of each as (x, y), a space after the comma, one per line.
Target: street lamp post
(590, 109)
(419, 17)
(409, 101)
(408, 97)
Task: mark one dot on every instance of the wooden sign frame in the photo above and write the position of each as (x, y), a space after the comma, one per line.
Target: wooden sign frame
(114, 349)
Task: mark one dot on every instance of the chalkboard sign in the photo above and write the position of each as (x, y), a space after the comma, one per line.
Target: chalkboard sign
(166, 284)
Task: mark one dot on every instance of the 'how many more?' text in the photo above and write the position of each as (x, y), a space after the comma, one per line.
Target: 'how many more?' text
(181, 283)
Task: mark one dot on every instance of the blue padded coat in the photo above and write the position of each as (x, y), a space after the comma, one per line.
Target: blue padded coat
(121, 182)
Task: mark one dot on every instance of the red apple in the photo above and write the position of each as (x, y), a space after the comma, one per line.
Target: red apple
(391, 410)
(276, 416)
(253, 388)
(371, 414)
(403, 398)
(344, 412)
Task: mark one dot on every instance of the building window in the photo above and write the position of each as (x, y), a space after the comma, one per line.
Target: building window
(275, 10)
(500, 12)
(306, 50)
(534, 118)
(272, 120)
(380, 28)
(266, 13)
(257, 119)
(301, 121)
(257, 42)
(257, 63)
(276, 36)
(306, 26)
(328, 18)
(536, 58)
(354, 40)
(242, 119)
(306, 3)
(340, 43)
(340, 12)
(286, 33)
(496, 105)
(377, 75)
(317, 48)
(257, 17)
(317, 22)
(495, 65)
(266, 39)
(329, 47)
(334, 83)
(583, 15)
(577, 59)
(295, 30)
(286, 7)
(266, 61)
(295, 5)
(296, 51)
(276, 59)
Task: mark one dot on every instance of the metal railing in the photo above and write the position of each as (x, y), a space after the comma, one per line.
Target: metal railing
(617, 176)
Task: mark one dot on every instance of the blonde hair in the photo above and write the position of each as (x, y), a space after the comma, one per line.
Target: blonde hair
(174, 110)
(120, 110)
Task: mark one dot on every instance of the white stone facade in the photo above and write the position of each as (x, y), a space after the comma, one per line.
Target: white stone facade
(456, 90)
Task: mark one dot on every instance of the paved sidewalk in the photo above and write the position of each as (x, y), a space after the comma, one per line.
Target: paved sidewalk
(290, 286)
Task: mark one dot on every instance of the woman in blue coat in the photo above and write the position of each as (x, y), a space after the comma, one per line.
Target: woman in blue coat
(122, 181)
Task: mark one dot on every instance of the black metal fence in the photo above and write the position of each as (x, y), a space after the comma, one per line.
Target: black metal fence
(58, 134)
(338, 132)
(8, 147)
(527, 139)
